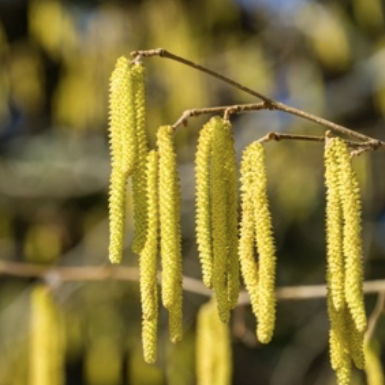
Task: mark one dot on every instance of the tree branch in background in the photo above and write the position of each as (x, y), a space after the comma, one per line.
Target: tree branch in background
(59, 274)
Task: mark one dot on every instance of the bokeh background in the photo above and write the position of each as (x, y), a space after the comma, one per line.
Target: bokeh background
(327, 57)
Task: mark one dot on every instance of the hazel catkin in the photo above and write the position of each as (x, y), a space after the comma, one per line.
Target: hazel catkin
(231, 180)
(148, 263)
(46, 343)
(139, 175)
(256, 227)
(123, 147)
(203, 203)
(219, 214)
(169, 206)
(352, 243)
(265, 246)
(334, 233)
(249, 266)
(213, 348)
(123, 116)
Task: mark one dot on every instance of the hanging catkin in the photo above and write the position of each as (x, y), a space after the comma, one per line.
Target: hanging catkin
(148, 264)
(139, 175)
(123, 147)
(217, 212)
(334, 234)
(219, 215)
(344, 258)
(203, 202)
(213, 348)
(233, 277)
(249, 266)
(352, 243)
(265, 247)
(256, 225)
(46, 343)
(170, 231)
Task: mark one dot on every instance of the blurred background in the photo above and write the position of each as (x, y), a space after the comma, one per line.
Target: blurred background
(326, 57)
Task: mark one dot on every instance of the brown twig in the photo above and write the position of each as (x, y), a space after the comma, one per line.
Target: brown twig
(268, 103)
(59, 274)
(376, 314)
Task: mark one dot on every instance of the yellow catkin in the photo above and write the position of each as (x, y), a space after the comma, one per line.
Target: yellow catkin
(117, 214)
(46, 344)
(123, 147)
(123, 116)
(249, 266)
(233, 279)
(139, 175)
(374, 370)
(148, 263)
(219, 207)
(265, 246)
(352, 243)
(216, 186)
(203, 203)
(169, 207)
(176, 319)
(213, 348)
(356, 342)
(334, 227)
(339, 337)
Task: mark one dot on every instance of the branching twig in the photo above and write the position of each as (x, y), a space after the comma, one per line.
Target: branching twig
(268, 103)
(58, 274)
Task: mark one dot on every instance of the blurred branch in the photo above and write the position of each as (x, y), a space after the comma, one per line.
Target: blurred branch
(268, 103)
(58, 274)
(375, 316)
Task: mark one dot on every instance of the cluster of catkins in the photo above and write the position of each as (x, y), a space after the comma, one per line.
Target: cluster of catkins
(344, 260)
(156, 196)
(227, 246)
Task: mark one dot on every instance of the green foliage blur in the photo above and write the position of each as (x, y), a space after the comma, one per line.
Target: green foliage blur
(327, 57)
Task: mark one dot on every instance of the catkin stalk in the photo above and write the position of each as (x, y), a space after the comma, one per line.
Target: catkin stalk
(148, 264)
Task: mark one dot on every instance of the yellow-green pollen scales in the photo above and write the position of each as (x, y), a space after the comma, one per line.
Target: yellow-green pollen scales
(123, 147)
(256, 227)
(46, 339)
(344, 257)
(203, 203)
(170, 231)
(221, 216)
(213, 348)
(139, 175)
(148, 263)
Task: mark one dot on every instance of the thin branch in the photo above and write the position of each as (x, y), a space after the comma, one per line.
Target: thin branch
(375, 316)
(268, 103)
(59, 274)
(166, 54)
